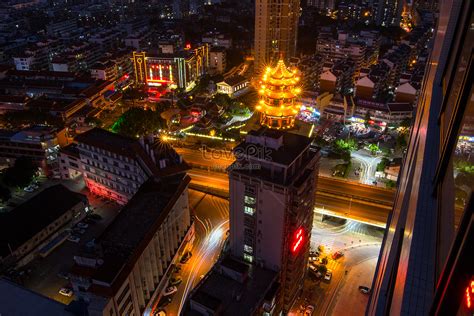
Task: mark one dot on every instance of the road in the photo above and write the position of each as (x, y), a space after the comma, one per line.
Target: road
(212, 222)
(359, 243)
(369, 166)
(333, 203)
(219, 160)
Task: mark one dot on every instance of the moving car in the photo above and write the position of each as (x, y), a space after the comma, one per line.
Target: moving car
(309, 310)
(170, 290)
(74, 238)
(337, 255)
(364, 289)
(175, 281)
(66, 292)
(328, 275)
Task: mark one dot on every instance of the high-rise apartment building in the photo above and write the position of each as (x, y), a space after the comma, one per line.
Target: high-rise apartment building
(272, 188)
(426, 265)
(387, 12)
(276, 28)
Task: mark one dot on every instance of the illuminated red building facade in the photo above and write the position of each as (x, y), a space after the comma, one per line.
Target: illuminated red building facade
(114, 166)
(272, 188)
(180, 70)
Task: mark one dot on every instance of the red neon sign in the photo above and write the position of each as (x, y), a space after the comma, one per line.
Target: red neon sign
(470, 294)
(297, 240)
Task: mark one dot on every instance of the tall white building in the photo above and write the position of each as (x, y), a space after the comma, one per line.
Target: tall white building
(272, 187)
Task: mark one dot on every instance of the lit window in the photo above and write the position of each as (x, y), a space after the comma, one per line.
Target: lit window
(249, 210)
(248, 249)
(249, 200)
(248, 258)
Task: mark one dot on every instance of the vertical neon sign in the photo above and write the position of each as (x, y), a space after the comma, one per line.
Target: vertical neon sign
(297, 240)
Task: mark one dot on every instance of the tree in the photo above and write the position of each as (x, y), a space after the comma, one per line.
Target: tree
(222, 100)
(137, 122)
(29, 117)
(346, 145)
(382, 164)
(5, 193)
(373, 149)
(406, 123)
(322, 268)
(390, 184)
(20, 174)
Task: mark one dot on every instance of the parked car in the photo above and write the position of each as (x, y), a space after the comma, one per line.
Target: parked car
(186, 257)
(364, 289)
(175, 281)
(74, 238)
(82, 225)
(328, 275)
(170, 290)
(29, 189)
(66, 292)
(337, 255)
(309, 310)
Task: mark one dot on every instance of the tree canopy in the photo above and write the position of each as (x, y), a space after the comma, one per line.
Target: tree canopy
(20, 174)
(137, 122)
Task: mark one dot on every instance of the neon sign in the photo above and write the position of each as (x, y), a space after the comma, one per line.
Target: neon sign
(470, 295)
(297, 240)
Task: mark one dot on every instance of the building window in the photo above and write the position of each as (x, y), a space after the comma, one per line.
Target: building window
(248, 249)
(248, 258)
(249, 200)
(249, 210)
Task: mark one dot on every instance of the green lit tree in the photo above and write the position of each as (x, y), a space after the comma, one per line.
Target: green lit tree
(137, 122)
(373, 149)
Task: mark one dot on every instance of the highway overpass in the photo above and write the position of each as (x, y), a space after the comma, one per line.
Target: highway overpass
(337, 198)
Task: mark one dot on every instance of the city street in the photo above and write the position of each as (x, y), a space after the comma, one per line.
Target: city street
(360, 243)
(339, 197)
(369, 165)
(212, 224)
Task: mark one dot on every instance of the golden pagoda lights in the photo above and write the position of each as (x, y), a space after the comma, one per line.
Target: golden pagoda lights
(279, 94)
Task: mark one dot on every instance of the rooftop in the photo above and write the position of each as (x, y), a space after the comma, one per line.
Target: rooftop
(129, 147)
(29, 218)
(133, 228)
(231, 297)
(292, 145)
(19, 301)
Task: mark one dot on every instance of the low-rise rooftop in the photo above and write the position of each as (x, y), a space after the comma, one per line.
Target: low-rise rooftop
(25, 221)
(221, 293)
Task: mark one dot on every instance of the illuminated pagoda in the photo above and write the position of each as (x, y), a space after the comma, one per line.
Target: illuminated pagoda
(279, 94)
